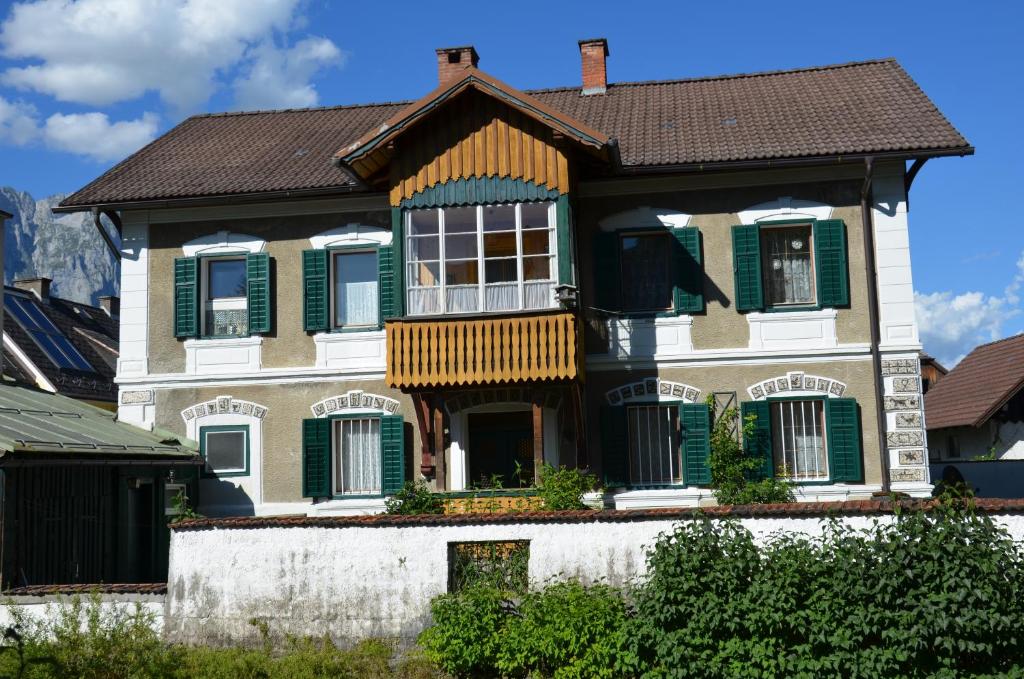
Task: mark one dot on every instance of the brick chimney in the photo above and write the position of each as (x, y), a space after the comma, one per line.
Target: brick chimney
(40, 287)
(594, 53)
(111, 304)
(452, 61)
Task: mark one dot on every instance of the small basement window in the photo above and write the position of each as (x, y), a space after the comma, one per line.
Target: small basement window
(503, 565)
(225, 449)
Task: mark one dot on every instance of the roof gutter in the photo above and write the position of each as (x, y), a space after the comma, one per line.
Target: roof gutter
(871, 271)
(206, 201)
(9, 462)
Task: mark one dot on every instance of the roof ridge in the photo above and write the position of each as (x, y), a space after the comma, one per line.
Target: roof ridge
(337, 107)
(990, 343)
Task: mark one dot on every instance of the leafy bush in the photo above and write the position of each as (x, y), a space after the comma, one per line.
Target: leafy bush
(465, 637)
(563, 488)
(928, 595)
(566, 631)
(414, 498)
(733, 471)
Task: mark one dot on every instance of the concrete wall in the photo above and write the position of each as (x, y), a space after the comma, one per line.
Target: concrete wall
(352, 581)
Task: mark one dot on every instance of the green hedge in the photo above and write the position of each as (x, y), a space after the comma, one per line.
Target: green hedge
(938, 594)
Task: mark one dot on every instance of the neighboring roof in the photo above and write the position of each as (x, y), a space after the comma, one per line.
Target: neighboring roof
(472, 79)
(928, 359)
(50, 425)
(869, 107)
(89, 329)
(978, 386)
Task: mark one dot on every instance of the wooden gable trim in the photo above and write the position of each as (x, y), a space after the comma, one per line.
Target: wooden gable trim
(477, 190)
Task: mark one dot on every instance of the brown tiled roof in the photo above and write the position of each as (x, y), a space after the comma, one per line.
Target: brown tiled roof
(792, 509)
(980, 384)
(868, 107)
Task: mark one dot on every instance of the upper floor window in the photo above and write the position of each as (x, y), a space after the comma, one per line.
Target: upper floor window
(355, 289)
(645, 263)
(788, 265)
(225, 297)
(483, 258)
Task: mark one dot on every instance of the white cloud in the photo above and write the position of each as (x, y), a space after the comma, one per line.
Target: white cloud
(280, 78)
(953, 324)
(18, 122)
(93, 135)
(99, 52)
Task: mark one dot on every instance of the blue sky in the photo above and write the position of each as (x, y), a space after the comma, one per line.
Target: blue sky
(84, 83)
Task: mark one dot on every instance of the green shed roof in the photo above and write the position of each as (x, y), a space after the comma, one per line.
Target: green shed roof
(39, 422)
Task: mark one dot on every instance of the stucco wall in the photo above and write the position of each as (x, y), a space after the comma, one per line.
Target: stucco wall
(357, 581)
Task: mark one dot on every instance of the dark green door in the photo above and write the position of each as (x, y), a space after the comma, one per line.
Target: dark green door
(501, 450)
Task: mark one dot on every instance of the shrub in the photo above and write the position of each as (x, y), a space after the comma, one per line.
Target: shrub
(566, 631)
(415, 497)
(464, 638)
(927, 595)
(733, 471)
(563, 488)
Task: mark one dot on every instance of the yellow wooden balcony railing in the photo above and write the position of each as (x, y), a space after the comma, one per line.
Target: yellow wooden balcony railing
(480, 351)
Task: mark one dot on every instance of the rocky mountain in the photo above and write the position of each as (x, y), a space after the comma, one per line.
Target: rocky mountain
(63, 247)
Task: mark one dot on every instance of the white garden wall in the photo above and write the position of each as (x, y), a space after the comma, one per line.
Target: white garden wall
(375, 576)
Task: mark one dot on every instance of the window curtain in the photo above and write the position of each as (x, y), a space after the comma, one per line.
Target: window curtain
(356, 303)
(359, 470)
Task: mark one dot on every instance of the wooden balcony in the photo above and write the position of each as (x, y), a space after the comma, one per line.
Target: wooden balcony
(454, 352)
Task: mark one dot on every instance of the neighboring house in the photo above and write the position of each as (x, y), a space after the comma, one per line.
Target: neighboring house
(61, 346)
(978, 408)
(333, 301)
(931, 372)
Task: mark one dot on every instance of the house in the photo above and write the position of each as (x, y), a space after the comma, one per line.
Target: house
(931, 372)
(463, 287)
(59, 345)
(83, 498)
(978, 408)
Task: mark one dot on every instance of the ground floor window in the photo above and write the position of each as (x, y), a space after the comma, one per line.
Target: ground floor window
(798, 440)
(357, 456)
(225, 449)
(654, 450)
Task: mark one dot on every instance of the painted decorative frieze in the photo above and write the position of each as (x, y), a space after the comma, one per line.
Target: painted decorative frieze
(796, 382)
(653, 388)
(354, 400)
(900, 366)
(910, 402)
(906, 384)
(906, 475)
(224, 405)
(898, 439)
(137, 397)
(911, 456)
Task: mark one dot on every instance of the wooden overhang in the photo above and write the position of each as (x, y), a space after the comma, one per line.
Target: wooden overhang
(372, 153)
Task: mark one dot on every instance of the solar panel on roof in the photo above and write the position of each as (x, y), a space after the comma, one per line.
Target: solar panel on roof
(48, 336)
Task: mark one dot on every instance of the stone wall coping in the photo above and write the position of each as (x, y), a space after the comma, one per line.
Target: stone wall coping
(108, 591)
(767, 511)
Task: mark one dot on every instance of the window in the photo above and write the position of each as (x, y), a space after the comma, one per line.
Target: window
(788, 265)
(798, 440)
(225, 449)
(357, 456)
(483, 258)
(654, 450)
(226, 312)
(50, 339)
(356, 289)
(646, 271)
(171, 493)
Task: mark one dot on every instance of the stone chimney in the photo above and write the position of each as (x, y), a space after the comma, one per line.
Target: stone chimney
(40, 287)
(594, 53)
(452, 61)
(111, 304)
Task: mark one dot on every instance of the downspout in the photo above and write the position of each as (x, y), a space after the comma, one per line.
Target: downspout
(867, 226)
(114, 250)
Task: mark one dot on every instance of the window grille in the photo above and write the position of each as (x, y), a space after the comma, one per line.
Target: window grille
(654, 450)
(799, 440)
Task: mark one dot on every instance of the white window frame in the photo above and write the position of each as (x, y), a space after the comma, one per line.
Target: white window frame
(332, 254)
(336, 456)
(224, 303)
(779, 436)
(675, 475)
(169, 508)
(763, 230)
(482, 284)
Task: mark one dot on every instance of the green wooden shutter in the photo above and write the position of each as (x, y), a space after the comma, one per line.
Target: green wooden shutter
(563, 234)
(392, 436)
(386, 277)
(607, 276)
(186, 297)
(758, 444)
(746, 263)
(398, 261)
(316, 458)
(695, 421)
(843, 429)
(688, 271)
(257, 273)
(316, 295)
(614, 446)
(830, 263)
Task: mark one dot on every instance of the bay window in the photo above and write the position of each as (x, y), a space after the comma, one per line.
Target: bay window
(489, 258)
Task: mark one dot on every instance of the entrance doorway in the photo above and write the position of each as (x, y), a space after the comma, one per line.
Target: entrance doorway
(501, 450)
